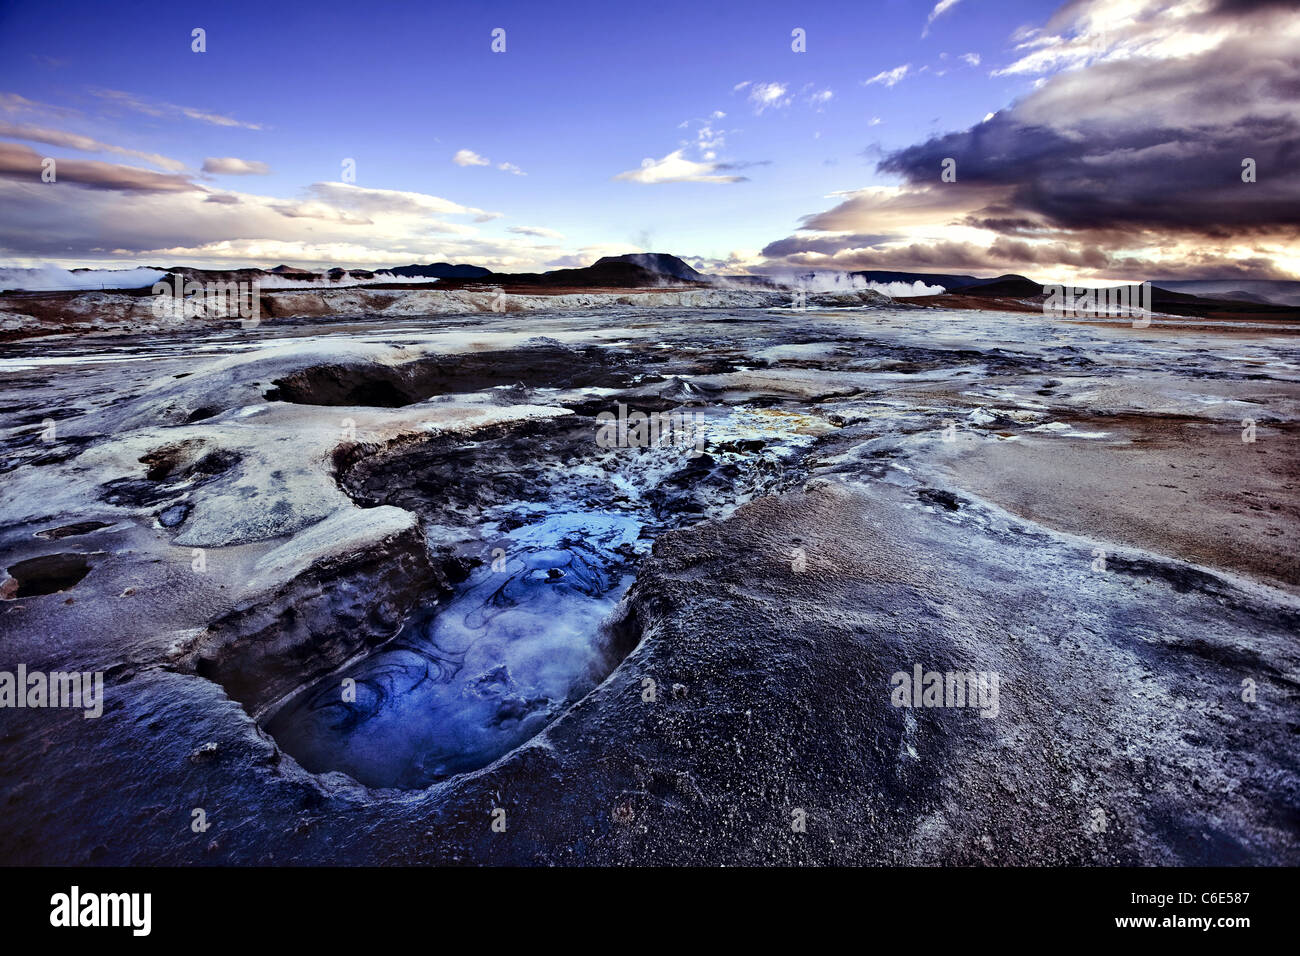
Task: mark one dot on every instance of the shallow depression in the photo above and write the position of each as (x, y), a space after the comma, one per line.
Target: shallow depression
(472, 677)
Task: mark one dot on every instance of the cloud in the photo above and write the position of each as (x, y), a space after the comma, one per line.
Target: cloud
(940, 8)
(329, 224)
(765, 96)
(230, 166)
(709, 140)
(889, 77)
(370, 202)
(467, 157)
(676, 168)
(1124, 159)
(972, 58)
(24, 164)
(160, 109)
(13, 103)
(86, 144)
(536, 231)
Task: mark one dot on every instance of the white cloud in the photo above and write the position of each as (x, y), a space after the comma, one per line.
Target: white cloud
(161, 109)
(393, 201)
(708, 139)
(13, 103)
(676, 168)
(972, 58)
(55, 137)
(467, 157)
(540, 231)
(768, 95)
(232, 166)
(940, 8)
(890, 77)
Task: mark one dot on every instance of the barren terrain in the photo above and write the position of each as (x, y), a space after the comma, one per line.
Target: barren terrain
(368, 588)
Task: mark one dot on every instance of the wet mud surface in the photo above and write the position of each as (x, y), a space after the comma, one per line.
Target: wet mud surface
(635, 587)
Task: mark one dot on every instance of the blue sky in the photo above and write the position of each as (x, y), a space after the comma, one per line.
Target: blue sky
(584, 92)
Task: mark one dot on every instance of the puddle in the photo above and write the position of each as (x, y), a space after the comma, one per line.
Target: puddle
(48, 574)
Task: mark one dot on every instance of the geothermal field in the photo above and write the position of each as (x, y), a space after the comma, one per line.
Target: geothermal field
(650, 581)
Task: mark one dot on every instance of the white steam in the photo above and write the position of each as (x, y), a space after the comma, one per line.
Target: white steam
(54, 279)
(846, 282)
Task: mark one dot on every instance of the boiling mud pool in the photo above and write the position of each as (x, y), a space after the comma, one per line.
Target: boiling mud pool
(468, 680)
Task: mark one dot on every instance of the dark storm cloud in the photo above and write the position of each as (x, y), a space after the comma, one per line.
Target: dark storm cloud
(1132, 142)
(1142, 143)
(793, 245)
(1182, 178)
(1239, 7)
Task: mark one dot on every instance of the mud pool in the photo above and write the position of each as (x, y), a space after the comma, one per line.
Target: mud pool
(525, 635)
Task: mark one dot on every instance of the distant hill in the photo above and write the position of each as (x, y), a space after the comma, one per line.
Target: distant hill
(1238, 298)
(1276, 291)
(609, 272)
(439, 270)
(1010, 285)
(1236, 295)
(657, 262)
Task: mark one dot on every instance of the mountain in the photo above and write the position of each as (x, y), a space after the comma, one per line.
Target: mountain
(1010, 285)
(1237, 295)
(609, 272)
(657, 262)
(1276, 291)
(440, 270)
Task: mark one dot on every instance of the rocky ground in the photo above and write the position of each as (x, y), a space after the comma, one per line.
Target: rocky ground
(379, 589)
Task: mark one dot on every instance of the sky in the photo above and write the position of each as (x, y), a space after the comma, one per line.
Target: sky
(1090, 140)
